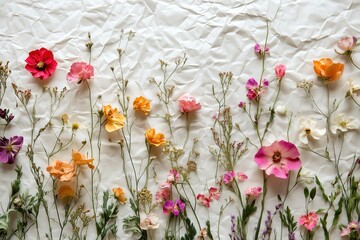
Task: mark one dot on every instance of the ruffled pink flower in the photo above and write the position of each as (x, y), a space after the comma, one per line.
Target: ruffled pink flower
(309, 220)
(162, 195)
(80, 71)
(229, 177)
(203, 199)
(174, 207)
(187, 103)
(214, 193)
(346, 44)
(173, 176)
(253, 192)
(278, 158)
(280, 71)
(241, 176)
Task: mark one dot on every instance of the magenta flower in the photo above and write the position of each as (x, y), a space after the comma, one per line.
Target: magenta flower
(80, 71)
(278, 158)
(253, 192)
(187, 103)
(280, 71)
(241, 176)
(260, 51)
(174, 207)
(309, 220)
(242, 105)
(4, 114)
(229, 177)
(254, 89)
(9, 148)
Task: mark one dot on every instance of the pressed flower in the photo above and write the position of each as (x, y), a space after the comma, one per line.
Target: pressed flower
(162, 195)
(354, 89)
(229, 177)
(242, 105)
(9, 148)
(254, 89)
(155, 139)
(150, 221)
(203, 199)
(253, 192)
(142, 104)
(306, 176)
(281, 109)
(278, 158)
(326, 69)
(4, 114)
(41, 63)
(352, 229)
(80, 71)
(63, 171)
(114, 119)
(187, 103)
(241, 176)
(80, 159)
(343, 123)
(119, 194)
(65, 191)
(214, 193)
(173, 176)
(260, 51)
(280, 71)
(308, 130)
(309, 220)
(174, 207)
(346, 44)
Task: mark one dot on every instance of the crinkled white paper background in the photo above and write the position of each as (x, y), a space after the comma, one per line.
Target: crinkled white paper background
(216, 36)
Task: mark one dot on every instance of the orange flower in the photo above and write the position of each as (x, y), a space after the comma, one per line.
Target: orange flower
(65, 191)
(63, 171)
(326, 69)
(157, 139)
(115, 120)
(79, 159)
(142, 104)
(119, 194)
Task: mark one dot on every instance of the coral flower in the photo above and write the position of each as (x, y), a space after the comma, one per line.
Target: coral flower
(41, 63)
(203, 199)
(187, 103)
(309, 220)
(278, 158)
(9, 148)
(280, 71)
(119, 194)
(156, 139)
(142, 104)
(114, 120)
(63, 171)
(66, 191)
(326, 69)
(214, 193)
(80, 71)
(79, 159)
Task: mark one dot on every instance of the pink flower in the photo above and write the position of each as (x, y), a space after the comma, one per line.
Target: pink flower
(259, 51)
(173, 176)
(187, 103)
(254, 89)
(229, 177)
(173, 207)
(214, 193)
(253, 191)
(309, 220)
(242, 105)
(242, 176)
(352, 229)
(278, 158)
(162, 195)
(80, 71)
(347, 44)
(280, 71)
(204, 199)
(41, 63)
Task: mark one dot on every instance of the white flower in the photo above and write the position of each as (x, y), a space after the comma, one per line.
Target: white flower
(343, 123)
(354, 90)
(281, 109)
(308, 129)
(150, 221)
(306, 176)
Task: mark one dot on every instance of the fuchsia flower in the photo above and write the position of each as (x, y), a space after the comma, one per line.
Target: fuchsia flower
(258, 50)
(278, 158)
(174, 207)
(346, 44)
(309, 220)
(280, 71)
(80, 71)
(187, 103)
(242, 176)
(41, 63)
(9, 148)
(254, 89)
(229, 177)
(253, 192)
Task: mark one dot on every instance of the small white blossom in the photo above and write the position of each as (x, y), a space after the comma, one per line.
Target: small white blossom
(343, 123)
(281, 109)
(150, 221)
(308, 129)
(354, 90)
(306, 176)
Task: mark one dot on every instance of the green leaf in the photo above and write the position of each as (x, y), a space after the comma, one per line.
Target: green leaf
(313, 193)
(209, 230)
(337, 213)
(324, 195)
(306, 192)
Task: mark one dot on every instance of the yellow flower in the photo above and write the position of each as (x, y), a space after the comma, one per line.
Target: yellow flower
(157, 139)
(326, 69)
(119, 194)
(115, 120)
(63, 171)
(79, 159)
(142, 104)
(65, 191)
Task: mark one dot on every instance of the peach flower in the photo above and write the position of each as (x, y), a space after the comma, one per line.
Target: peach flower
(66, 191)
(187, 103)
(309, 220)
(63, 171)
(156, 139)
(114, 120)
(79, 159)
(142, 104)
(326, 69)
(119, 194)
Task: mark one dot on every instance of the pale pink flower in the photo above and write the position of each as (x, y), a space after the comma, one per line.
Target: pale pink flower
(278, 158)
(253, 192)
(346, 44)
(214, 193)
(173, 176)
(162, 195)
(229, 177)
(309, 220)
(150, 221)
(241, 176)
(203, 199)
(352, 227)
(80, 71)
(280, 71)
(187, 103)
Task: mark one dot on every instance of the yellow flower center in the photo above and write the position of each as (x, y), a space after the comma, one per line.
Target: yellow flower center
(40, 65)
(343, 124)
(276, 157)
(75, 126)
(8, 148)
(308, 131)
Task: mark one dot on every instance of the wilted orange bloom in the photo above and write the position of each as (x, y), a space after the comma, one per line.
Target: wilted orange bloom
(63, 171)
(115, 120)
(65, 191)
(79, 159)
(326, 69)
(119, 195)
(157, 139)
(142, 104)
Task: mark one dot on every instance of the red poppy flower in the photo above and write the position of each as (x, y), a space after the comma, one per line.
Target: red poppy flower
(41, 63)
